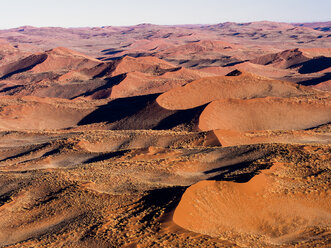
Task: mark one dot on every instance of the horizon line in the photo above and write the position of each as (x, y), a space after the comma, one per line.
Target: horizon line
(153, 24)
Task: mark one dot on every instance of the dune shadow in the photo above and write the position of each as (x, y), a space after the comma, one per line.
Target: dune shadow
(164, 198)
(240, 173)
(7, 197)
(188, 116)
(28, 63)
(27, 152)
(112, 58)
(112, 51)
(52, 152)
(6, 89)
(118, 109)
(109, 83)
(235, 63)
(140, 112)
(105, 156)
(313, 65)
(315, 81)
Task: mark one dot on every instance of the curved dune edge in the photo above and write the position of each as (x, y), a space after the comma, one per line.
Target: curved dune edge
(244, 86)
(270, 207)
(265, 114)
(142, 83)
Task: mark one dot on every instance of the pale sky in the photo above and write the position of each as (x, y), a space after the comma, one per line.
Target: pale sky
(95, 13)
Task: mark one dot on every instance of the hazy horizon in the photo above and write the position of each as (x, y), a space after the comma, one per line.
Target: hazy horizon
(137, 24)
(97, 13)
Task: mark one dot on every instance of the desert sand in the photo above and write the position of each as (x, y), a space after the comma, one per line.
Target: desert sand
(166, 136)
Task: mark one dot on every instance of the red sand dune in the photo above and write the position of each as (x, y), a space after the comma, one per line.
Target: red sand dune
(56, 61)
(265, 114)
(150, 65)
(200, 47)
(244, 86)
(265, 71)
(283, 59)
(61, 58)
(270, 207)
(146, 78)
(137, 83)
(21, 65)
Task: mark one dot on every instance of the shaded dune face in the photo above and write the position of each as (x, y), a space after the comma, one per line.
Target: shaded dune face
(22, 65)
(265, 114)
(64, 59)
(244, 86)
(283, 59)
(270, 206)
(58, 64)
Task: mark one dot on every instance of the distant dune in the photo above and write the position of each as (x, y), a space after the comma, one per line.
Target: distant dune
(244, 86)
